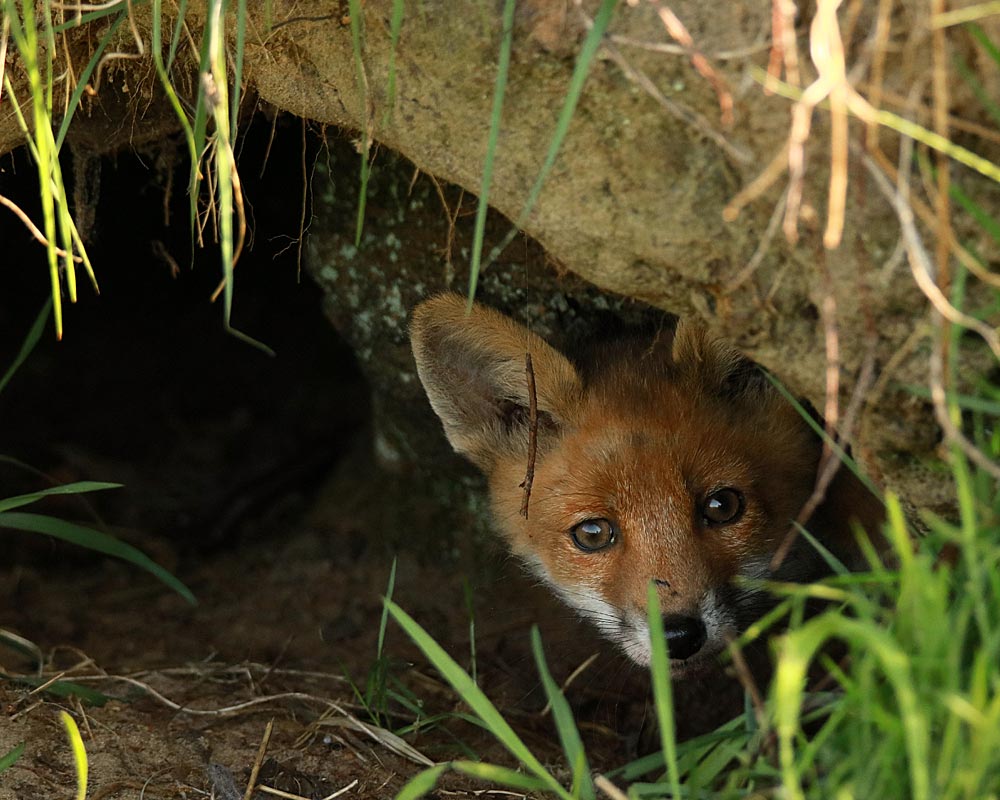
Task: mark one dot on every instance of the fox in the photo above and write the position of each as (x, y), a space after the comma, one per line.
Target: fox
(670, 460)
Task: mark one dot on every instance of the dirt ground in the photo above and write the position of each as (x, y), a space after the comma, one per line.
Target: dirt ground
(249, 478)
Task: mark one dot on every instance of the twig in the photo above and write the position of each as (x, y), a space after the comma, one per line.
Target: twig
(33, 229)
(783, 13)
(829, 462)
(942, 206)
(926, 215)
(452, 217)
(920, 266)
(306, 185)
(774, 170)
(876, 90)
(920, 263)
(680, 33)
(745, 677)
(685, 115)
(827, 50)
(680, 50)
(572, 677)
(529, 475)
(762, 247)
(255, 770)
(606, 786)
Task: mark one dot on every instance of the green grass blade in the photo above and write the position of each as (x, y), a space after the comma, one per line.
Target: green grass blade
(168, 88)
(475, 698)
(357, 45)
(422, 783)
(385, 609)
(25, 35)
(84, 78)
(562, 715)
(175, 38)
(8, 759)
(395, 29)
(92, 540)
(80, 487)
(500, 776)
(835, 565)
(820, 431)
(65, 690)
(79, 751)
(241, 39)
(983, 217)
(977, 88)
(470, 608)
(985, 42)
(92, 16)
(499, 89)
(573, 92)
(800, 647)
(30, 341)
(199, 126)
(662, 690)
(966, 402)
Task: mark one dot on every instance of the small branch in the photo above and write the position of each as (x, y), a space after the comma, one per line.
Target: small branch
(255, 770)
(687, 116)
(920, 266)
(680, 34)
(529, 475)
(745, 677)
(39, 236)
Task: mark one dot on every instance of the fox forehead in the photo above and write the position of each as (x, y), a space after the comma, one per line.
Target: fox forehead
(647, 461)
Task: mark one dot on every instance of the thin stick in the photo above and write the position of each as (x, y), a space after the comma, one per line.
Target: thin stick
(529, 475)
(33, 229)
(685, 115)
(252, 783)
(746, 678)
(920, 266)
(941, 102)
(680, 34)
(608, 788)
(572, 677)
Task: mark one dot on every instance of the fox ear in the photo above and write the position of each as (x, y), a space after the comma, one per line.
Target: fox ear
(716, 364)
(472, 366)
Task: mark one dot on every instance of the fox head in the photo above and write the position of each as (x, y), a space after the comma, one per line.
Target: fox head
(672, 461)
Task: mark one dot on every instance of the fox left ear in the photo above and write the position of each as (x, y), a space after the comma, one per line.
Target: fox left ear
(715, 363)
(472, 366)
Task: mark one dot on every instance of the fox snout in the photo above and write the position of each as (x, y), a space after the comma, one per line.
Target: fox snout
(685, 635)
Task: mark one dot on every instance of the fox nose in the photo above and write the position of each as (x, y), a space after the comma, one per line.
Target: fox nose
(685, 635)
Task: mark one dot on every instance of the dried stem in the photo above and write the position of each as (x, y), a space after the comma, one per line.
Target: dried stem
(33, 229)
(920, 266)
(680, 33)
(529, 475)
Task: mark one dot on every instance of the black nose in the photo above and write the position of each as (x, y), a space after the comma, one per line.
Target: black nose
(685, 635)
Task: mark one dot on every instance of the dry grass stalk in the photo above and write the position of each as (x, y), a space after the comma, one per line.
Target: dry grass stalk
(921, 268)
(680, 33)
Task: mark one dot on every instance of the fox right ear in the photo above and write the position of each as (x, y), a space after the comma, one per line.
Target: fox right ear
(472, 366)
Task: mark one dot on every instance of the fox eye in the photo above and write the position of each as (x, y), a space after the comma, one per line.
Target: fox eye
(722, 507)
(594, 534)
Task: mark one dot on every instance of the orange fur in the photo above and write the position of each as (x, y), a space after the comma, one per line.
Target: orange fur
(641, 439)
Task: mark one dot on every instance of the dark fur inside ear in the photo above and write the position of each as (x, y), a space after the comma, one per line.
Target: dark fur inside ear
(717, 365)
(472, 365)
(745, 378)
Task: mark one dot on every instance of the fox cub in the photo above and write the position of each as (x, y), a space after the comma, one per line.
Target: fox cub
(673, 461)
